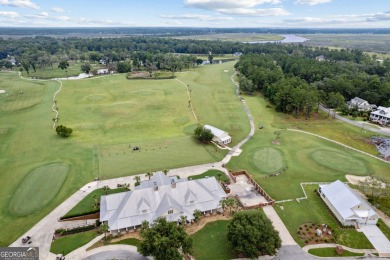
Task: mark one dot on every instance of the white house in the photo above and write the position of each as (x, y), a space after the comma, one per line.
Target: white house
(360, 104)
(320, 58)
(161, 196)
(220, 136)
(348, 207)
(381, 115)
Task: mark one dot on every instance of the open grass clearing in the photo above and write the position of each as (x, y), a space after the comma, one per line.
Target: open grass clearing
(211, 242)
(313, 210)
(220, 176)
(65, 245)
(87, 204)
(331, 252)
(38, 188)
(384, 228)
(298, 149)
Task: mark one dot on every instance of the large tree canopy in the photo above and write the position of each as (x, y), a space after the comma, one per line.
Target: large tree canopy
(251, 232)
(164, 240)
(203, 135)
(64, 131)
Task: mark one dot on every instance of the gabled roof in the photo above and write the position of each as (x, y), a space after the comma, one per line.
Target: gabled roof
(216, 132)
(344, 200)
(357, 101)
(382, 111)
(129, 209)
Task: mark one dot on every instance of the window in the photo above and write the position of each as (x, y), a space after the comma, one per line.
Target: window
(144, 211)
(191, 202)
(170, 211)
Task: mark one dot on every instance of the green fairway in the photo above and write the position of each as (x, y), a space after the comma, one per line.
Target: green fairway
(107, 114)
(211, 242)
(299, 149)
(65, 245)
(313, 210)
(268, 160)
(38, 188)
(331, 252)
(221, 176)
(339, 162)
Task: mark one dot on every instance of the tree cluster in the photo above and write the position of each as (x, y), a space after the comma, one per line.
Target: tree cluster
(64, 131)
(164, 240)
(203, 135)
(251, 233)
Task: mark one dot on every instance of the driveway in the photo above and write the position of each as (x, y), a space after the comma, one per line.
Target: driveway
(377, 239)
(382, 130)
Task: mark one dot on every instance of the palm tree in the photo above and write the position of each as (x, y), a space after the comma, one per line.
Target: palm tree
(149, 175)
(165, 171)
(137, 180)
(230, 202)
(222, 202)
(197, 215)
(95, 201)
(103, 229)
(126, 186)
(183, 220)
(106, 189)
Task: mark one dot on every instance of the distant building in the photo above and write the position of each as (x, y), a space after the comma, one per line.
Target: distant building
(320, 58)
(360, 104)
(220, 136)
(380, 61)
(161, 196)
(102, 71)
(381, 115)
(238, 54)
(348, 207)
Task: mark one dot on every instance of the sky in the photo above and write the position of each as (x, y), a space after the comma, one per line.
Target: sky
(196, 13)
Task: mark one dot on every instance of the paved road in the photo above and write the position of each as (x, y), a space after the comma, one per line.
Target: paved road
(377, 239)
(382, 130)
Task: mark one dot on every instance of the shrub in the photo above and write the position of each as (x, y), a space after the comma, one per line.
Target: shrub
(80, 214)
(300, 228)
(64, 232)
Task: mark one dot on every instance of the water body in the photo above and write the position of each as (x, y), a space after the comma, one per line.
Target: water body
(382, 145)
(288, 38)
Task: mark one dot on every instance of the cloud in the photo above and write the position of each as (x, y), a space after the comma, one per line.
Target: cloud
(42, 15)
(238, 8)
(379, 17)
(227, 4)
(9, 14)
(312, 2)
(57, 10)
(19, 3)
(62, 18)
(86, 21)
(200, 17)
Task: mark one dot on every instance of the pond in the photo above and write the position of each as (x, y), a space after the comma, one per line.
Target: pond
(288, 38)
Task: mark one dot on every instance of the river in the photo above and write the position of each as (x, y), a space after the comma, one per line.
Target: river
(288, 38)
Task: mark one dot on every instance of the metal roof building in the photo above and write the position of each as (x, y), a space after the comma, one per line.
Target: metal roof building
(220, 136)
(161, 196)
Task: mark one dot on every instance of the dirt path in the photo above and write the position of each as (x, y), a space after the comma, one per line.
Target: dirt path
(189, 99)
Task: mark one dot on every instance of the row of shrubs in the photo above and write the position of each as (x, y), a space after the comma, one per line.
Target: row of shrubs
(154, 76)
(64, 232)
(80, 214)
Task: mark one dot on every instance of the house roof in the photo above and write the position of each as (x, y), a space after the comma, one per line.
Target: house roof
(357, 100)
(345, 201)
(382, 111)
(129, 209)
(217, 132)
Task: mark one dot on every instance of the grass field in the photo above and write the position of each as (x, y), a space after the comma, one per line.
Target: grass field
(55, 72)
(308, 158)
(216, 173)
(38, 188)
(65, 245)
(366, 42)
(107, 115)
(86, 205)
(268, 160)
(129, 241)
(313, 210)
(331, 252)
(211, 242)
(235, 37)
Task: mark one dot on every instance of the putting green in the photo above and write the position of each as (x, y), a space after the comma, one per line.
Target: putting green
(38, 188)
(339, 161)
(268, 160)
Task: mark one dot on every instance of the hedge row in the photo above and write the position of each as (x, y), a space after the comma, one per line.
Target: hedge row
(64, 232)
(80, 214)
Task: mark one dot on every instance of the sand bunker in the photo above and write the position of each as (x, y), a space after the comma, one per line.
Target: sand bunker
(353, 179)
(2, 91)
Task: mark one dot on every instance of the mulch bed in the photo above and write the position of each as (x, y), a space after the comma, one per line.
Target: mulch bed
(307, 232)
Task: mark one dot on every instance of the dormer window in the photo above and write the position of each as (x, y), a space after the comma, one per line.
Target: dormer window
(170, 211)
(144, 211)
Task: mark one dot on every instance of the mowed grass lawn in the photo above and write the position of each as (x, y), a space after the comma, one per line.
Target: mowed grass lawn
(308, 158)
(65, 245)
(313, 210)
(220, 176)
(331, 252)
(115, 115)
(210, 243)
(107, 115)
(29, 149)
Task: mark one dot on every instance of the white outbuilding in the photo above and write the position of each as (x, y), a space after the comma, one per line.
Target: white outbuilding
(348, 207)
(220, 136)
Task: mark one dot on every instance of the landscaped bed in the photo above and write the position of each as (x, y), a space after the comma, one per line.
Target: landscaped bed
(308, 233)
(331, 252)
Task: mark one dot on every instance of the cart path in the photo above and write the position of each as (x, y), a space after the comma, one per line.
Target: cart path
(189, 99)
